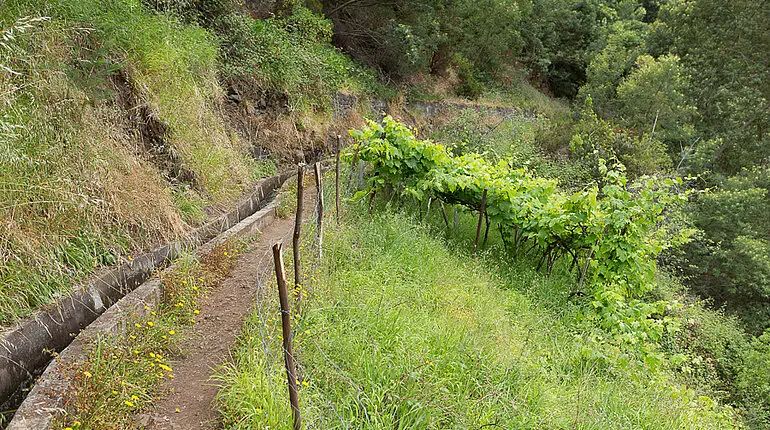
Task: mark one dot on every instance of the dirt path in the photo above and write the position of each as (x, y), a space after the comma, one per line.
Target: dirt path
(192, 392)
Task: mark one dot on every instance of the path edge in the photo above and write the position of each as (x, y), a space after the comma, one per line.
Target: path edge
(27, 348)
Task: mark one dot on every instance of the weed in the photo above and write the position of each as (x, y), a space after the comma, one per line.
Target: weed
(400, 332)
(77, 191)
(121, 374)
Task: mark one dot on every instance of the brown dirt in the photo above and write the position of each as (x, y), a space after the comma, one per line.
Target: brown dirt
(189, 402)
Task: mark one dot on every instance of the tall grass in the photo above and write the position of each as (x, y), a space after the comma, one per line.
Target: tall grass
(77, 188)
(403, 331)
(291, 56)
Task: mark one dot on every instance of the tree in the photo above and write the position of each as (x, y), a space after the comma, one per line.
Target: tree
(730, 262)
(724, 46)
(622, 45)
(652, 99)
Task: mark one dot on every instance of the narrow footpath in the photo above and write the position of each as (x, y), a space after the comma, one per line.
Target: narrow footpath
(188, 404)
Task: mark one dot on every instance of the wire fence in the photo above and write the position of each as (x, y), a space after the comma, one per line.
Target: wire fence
(266, 304)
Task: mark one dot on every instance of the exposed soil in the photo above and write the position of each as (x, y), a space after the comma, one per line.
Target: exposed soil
(189, 402)
(153, 134)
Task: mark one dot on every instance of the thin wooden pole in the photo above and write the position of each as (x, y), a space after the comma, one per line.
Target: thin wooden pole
(585, 269)
(337, 180)
(320, 218)
(291, 371)
(481, 218)
(371, 202)
(456, 218)
(418, 203)
(443, 213)
(486, 232)
(298, 232)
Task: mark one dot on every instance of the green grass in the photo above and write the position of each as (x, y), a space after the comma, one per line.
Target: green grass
(291, 56)
(76, 191)
(522, 94)
(404, 329)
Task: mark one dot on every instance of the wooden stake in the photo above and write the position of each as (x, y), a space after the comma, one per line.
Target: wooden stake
(337, 180)
(371, 202)
(457, 218)
(297, 231)
(443, 213)
(585, 269)
(291, 371)
(320, 220)
(486, 232)
(481, 218)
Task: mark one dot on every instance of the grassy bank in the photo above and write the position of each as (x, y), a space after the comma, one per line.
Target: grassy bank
(109, 128)
(116, 133)
(403, 331)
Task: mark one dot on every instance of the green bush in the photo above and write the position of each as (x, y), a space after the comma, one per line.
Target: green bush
(730, 260)
(470, 86)
(753, 382)
(596, 138)
(622, 44)
(289, 56)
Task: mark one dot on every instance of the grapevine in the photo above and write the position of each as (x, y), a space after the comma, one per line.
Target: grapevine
(608, 231)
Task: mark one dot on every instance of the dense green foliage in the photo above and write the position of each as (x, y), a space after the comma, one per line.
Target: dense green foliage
(288, 57)
(731, 262)
(669, 87)
(690, 79)
(611, 232)
(614, 232)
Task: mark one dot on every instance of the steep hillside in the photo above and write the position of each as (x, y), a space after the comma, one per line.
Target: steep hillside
(117, 132)
(401, 327)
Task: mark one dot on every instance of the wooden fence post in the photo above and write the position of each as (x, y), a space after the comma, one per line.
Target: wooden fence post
(320, 210)
(291, 371)
(443, 213)
(298, 231)
(481, 218)
(371, 202)
(337, 180)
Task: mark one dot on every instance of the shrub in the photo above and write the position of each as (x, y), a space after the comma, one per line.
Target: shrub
(470, 86)
(595, 138)
(730, 260)
(753, 382)
(289, 56)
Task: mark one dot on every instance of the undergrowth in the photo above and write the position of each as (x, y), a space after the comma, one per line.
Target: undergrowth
(510, 137)
(404, 329)
(292, 56)
(122, 374)
(83, 182)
